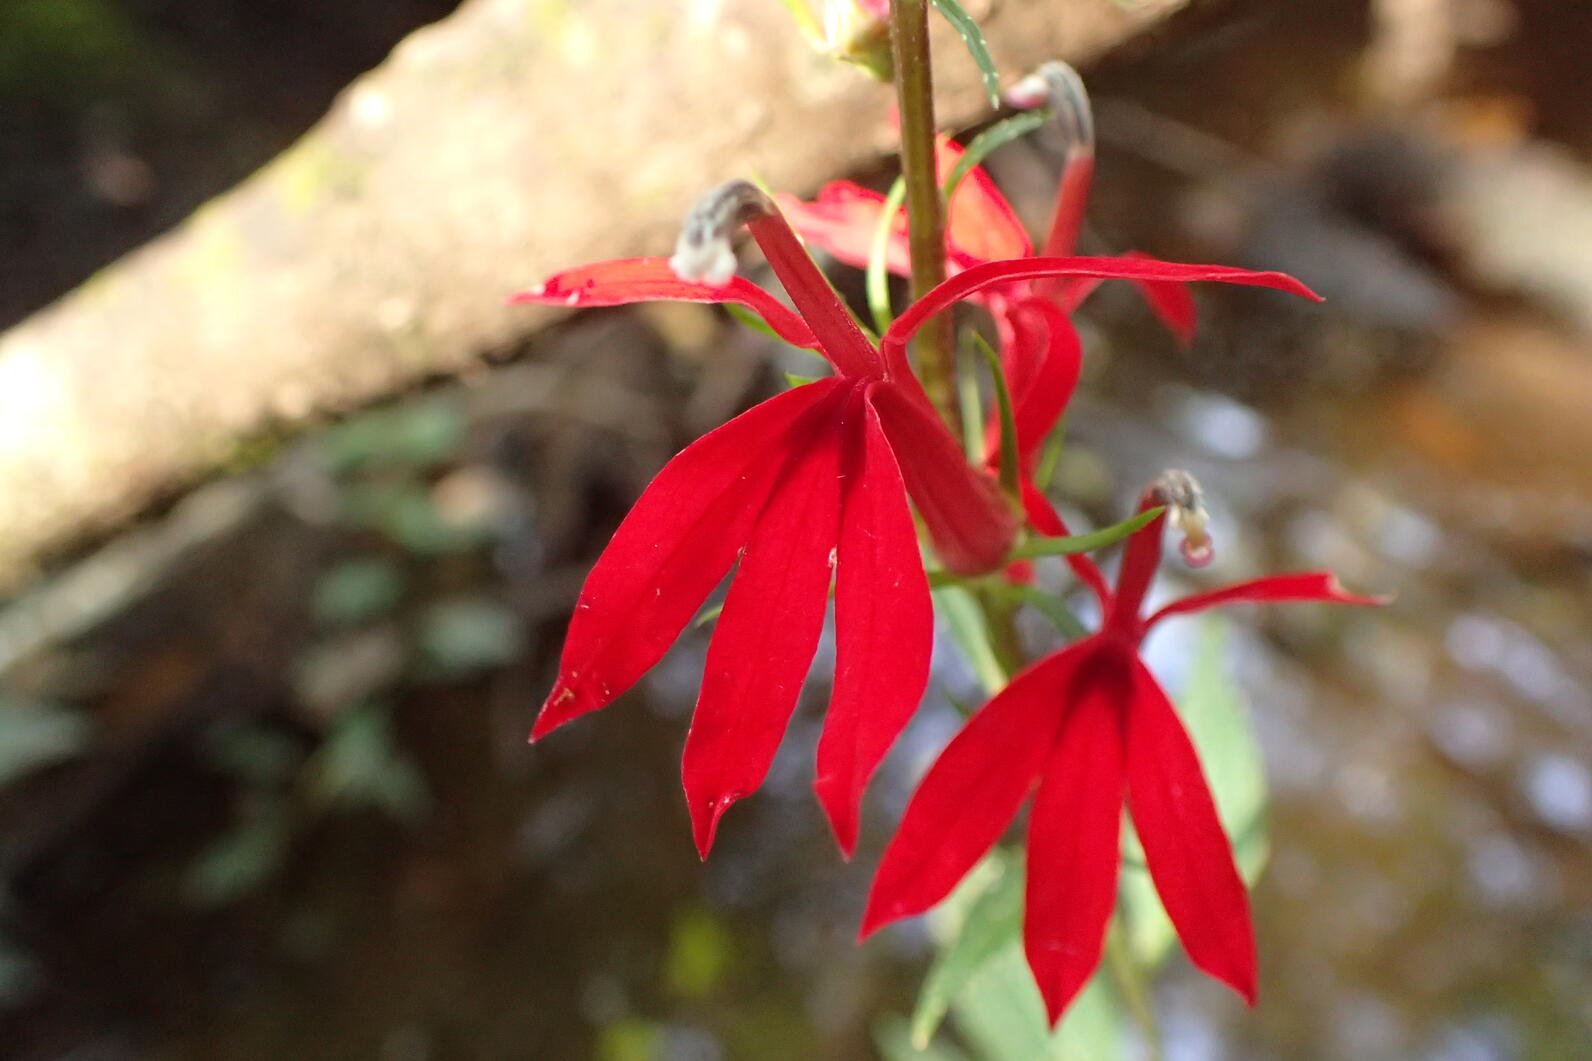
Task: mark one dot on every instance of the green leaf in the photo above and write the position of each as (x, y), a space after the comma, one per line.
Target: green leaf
(356, 591)
(470, 634)
(983, 145)
(1002, 1016)
(241, 860)
(360, 765)
(1008, 418)
(968, 397)
(973, 37)
(1083, 543)
(701, 952)
(745, 316)
(1051, 607)
(792, 380)
(894, 1040)
(965, 620)
(35, 735)
(993, 918)
(878, 276)
(1214, 711)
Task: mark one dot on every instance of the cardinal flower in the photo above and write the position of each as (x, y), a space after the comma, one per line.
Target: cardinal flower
(1090, 728)
(1040, 350)
(808, 487)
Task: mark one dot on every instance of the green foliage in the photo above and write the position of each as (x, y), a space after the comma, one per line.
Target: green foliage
(992, 898)
(959, 610)
(701, 951)
(877, 278)
(35, 735)
(1084, 543)
(360, 765)
(420, 434)
(356, 591)
(242, 859)
(981, 146)
(466, 635)
(973, 37)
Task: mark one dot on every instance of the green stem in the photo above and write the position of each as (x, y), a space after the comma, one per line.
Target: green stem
(909, 38)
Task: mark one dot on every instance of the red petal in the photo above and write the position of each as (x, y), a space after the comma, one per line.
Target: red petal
(1044, 361)
(972, 791)
(843, 219)
(1043, 518)
(1072, 197)
(627, 280)
(1174, 305)
(981, 225)
(670, 551)
(1073, 836)
(884, 630)
(838, 335)
(764, 642)
(992, 274)
(1186, 850)
(969, 521)
(1140, 558)
(1306, 586)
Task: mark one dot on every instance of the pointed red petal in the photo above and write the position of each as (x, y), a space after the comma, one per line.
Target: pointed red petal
(764, 642)
(840, 339)
(1186, 850)
(627, 280)
(1043, 364)
(969, 521)
(1073, 836)
(1305, 586)
(972, 791)
(980, 225)
(884, 630)
(843, 219)
(992, 274)
(669, 553)
(1043, 518)
(1072, 198)
(1174, 305)
(1140, 558)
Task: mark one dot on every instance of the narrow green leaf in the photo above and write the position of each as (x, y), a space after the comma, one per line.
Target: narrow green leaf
(878, 276)
(973, 37)
(894, 1041)
(1083, 543)
(972, 404)
(708, 616)
(1002, 1016)
(1008, 417)
(1051, 607)
(965, 619)
(1050, 456)
(993, 919)
(981, 146)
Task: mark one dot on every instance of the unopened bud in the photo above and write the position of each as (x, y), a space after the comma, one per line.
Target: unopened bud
(1185, 511)
(704, 254)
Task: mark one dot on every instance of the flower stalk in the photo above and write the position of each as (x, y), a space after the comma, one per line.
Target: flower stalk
(914, 79)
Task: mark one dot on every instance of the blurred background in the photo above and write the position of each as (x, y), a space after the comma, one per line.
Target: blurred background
(264, 790)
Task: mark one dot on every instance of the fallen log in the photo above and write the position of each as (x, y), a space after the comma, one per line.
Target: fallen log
(513, 138)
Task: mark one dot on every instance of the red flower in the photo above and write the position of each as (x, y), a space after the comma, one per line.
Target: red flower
(809, 484)
(1040, 349)
(1090, 726)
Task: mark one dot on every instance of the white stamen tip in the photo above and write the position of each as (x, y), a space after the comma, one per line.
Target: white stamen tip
(712, 263)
